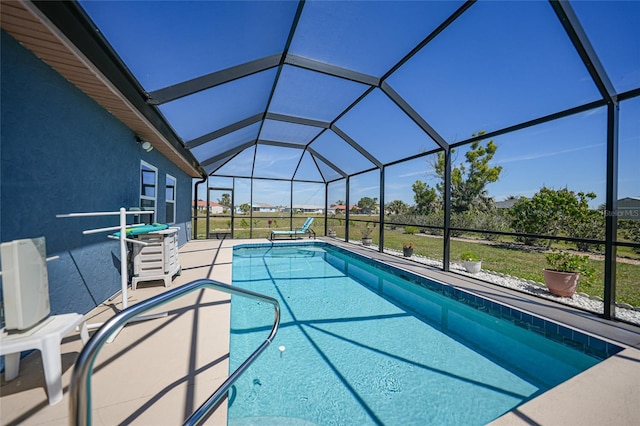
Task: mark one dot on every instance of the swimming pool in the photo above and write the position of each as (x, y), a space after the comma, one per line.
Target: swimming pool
(366, 343)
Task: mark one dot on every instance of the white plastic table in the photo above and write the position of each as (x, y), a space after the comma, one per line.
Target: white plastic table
(47, 338)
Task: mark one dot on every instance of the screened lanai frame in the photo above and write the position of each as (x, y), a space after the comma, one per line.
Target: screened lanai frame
(246, 133)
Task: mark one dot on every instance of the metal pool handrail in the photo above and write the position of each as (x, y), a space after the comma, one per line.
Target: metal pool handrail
(80, 387)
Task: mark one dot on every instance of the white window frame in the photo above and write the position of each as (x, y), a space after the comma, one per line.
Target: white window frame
(172, 202)
(154, 199)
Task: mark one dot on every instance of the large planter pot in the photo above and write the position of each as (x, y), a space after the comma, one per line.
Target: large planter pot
(472, 267)
(332, 234)
(561, 283)
(367, 241)
(407, 251)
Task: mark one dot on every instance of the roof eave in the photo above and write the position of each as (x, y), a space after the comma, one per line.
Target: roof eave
(60, 34)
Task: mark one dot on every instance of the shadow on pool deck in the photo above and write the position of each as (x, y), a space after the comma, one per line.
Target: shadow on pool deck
(158, 371)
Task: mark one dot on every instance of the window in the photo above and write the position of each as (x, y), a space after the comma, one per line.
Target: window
(148, 185)
(170, 200)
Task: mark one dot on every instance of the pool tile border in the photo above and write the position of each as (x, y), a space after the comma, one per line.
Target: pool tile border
(575, 339)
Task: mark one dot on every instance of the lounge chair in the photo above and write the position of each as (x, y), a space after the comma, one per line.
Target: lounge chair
(304, 230)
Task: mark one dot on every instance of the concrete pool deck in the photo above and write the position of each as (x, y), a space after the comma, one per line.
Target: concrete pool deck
(157, 372)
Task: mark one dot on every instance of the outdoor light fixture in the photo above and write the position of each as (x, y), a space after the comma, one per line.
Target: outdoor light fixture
(146, 145)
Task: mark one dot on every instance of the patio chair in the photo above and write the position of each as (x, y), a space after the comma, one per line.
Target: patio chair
(304, 230)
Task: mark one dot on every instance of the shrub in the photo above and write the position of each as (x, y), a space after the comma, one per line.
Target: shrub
(631, 231)
(587, 224)
(410, 230)
(491, 220)
(461, 220)
(550, 212)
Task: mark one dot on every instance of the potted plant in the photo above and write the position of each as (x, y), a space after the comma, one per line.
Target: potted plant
(407, 249)
(563, 272)
(331, 232)
(471, 262)
(366, 235)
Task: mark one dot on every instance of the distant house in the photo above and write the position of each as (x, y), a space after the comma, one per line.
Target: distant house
(629, 208)
(306, 208)
(214, 208)
(506, 204)
(263, 208)
(340, 209)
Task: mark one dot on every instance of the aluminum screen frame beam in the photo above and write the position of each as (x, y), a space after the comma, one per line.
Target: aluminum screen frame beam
(381, 211)
(208, 81)
(611, 220)
(316, 182)
(332, 70)
(440, 28)
(356, 146)
(252, 120)
(224, 131)
(293, 145)
(225, 161)
(292, 31)
(413, 115)
(228, 153)
(540, 120)
(581, 43)
(297, 120)
(315, 154)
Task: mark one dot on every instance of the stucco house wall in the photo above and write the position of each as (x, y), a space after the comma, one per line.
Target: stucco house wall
(61, 152)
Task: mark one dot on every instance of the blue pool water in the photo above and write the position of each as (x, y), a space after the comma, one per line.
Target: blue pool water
(368, 345)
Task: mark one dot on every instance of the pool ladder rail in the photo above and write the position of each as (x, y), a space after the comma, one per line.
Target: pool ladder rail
(80, 387)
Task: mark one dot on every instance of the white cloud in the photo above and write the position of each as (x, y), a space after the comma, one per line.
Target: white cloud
(418, 173)
(546, 154)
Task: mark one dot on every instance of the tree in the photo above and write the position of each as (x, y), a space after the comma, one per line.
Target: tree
(551, 211)
(425, 197)
(245, 208)
(367, 205)
(587, 223)
(469, 179)
(630, 229)
(397, 207)
(225, 201)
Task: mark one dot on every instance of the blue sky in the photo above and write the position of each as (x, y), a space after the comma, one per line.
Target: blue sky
(500, 63)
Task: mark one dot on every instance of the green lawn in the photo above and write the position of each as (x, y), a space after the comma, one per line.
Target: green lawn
(261, 226)
(519, 262)
(511, 259)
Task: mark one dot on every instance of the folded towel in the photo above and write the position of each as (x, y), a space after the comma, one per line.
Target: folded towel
(144, 229)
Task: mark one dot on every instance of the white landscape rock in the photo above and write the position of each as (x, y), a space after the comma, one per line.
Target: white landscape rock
(624, 311)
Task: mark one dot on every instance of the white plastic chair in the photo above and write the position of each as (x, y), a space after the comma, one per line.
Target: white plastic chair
(47, 338)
